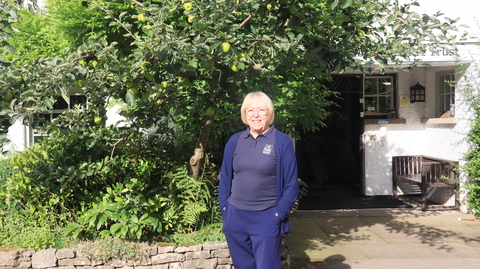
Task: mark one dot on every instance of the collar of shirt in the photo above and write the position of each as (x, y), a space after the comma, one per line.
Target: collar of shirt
(268, 134)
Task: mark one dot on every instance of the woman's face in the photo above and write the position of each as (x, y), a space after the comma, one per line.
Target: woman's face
(257, 118)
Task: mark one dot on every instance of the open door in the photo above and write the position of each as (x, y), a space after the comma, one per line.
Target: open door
(332, 157)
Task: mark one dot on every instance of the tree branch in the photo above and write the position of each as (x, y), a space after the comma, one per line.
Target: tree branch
(137, 3)
(248, 18)
(117, 20)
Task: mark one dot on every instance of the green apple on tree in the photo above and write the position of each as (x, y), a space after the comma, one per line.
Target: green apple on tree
(188, 5)
(141, 17)
(97, 120)
(8, 96)
(226, 47)
(4, 104)
(293, 9)
(79, 83)
(130, 83)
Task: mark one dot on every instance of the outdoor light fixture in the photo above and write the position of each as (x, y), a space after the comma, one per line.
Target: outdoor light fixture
(417, 93)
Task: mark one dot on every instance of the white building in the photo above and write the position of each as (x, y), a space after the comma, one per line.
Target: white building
(379, 120)
(424, 132)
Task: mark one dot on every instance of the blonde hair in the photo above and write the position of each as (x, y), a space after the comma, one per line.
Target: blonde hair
(264, 100)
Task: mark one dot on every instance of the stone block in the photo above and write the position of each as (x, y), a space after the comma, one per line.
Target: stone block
(224, 266)
(146, 262)
(79, 261)
(166, 249)
(25, 264)
(152, 251)
(221, 253)
(65, 253)
(44, 258)
(215, 245)
(195, 248)
(225, 261)
(176, 265)
(197, 255)
(28, 253)
(167, 258)
(200, 264)
(181, 249)
(120, 263)
(10, 258)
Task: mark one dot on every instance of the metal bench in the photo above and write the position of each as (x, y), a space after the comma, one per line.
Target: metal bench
(418, 174)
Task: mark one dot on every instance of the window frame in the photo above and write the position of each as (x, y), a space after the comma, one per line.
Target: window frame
(33, 133)
(440, 94)
(392, 111)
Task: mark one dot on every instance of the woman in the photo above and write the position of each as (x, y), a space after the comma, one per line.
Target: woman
(258, 187)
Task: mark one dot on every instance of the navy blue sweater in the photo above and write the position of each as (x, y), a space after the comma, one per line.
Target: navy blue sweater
(287, 176)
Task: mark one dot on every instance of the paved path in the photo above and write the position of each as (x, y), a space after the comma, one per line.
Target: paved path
(384, 238)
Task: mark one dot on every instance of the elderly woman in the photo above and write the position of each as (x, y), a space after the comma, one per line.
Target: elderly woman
(258, 187)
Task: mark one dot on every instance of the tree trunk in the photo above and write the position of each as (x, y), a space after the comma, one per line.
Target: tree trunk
(199, 152)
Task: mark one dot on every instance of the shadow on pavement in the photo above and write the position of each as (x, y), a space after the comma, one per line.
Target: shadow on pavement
(329, 237)
(335, 261)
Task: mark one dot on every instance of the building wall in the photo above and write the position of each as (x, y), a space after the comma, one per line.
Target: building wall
(438, 140)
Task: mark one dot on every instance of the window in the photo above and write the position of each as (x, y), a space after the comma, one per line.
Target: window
(445, 82)
(58, 108)
(379, 96)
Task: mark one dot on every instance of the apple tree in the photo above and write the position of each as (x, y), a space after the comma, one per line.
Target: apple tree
(191, 62)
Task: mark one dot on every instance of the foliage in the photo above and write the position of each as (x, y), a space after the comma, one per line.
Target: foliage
(113, 181)
(302, 192)
(302, 189)
(81, 21)
(36, 38)
(209, 233)
(32, 228)
(181, 65)
(472, 157)
(106, 249)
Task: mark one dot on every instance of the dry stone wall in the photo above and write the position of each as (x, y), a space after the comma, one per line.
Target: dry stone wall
(211, 255)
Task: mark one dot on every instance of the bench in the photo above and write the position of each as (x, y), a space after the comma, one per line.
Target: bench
(418, 174)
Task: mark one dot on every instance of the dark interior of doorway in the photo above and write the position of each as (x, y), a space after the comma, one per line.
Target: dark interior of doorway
(331, 156)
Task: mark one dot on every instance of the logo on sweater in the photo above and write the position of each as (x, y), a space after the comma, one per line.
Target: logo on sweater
(267, 149)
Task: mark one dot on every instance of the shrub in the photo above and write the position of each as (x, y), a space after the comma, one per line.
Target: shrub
(114, 182)
(31, 229)
(209, 233)
(106, 249)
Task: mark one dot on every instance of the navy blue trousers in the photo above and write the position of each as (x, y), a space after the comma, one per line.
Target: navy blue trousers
(253, 237)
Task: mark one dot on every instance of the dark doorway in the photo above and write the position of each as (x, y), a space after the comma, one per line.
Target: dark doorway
(332, 156)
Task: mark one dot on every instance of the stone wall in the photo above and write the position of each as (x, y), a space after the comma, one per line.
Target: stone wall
(212, 255)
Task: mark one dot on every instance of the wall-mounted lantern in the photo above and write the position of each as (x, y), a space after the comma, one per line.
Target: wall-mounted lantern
(417, 93)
